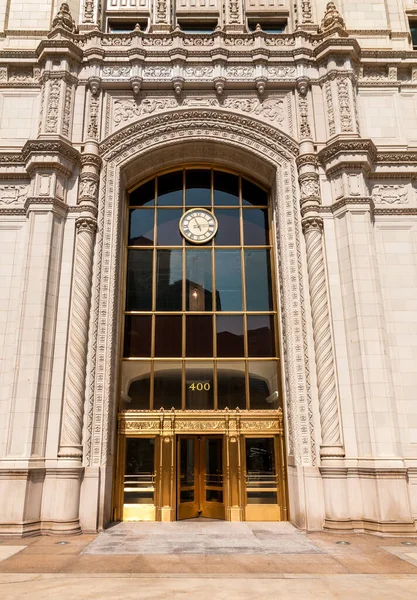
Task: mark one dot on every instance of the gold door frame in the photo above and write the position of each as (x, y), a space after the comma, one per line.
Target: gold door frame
(235, 425)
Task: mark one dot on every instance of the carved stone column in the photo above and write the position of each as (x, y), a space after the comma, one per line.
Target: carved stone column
(73, 412)
(323, 344)
(312, 223)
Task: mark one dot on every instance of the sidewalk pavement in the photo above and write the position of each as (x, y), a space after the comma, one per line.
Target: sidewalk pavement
(210, 561)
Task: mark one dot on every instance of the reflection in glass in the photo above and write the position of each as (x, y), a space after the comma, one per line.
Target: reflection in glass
(199, 393)
(228, 280)
(198, 187)
(228, 233)
(263, 385)
(169, 280)
(170, 189)
(143, 195)
(230, 337)
(168, 336)
(141, 227)
(231, 385)
(252, 194)
(135, 385)
(187, 477)
(168, 232)
(138, 331)
(261, 336)
(198, 280)
(226, 189)
(258, 280)
(140, 469)
(139, 280)
(199, 336)
(260, 471)
(167, 385)
(255, 227)
(214, 469)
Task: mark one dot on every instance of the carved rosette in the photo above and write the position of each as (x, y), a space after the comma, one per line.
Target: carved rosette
(323, 343)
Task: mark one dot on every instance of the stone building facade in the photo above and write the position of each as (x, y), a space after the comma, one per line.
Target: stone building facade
(314, 102)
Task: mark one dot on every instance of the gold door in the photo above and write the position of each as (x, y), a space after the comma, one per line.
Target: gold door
(200, 477)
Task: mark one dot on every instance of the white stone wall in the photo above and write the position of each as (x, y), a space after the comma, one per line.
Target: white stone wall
(334, 140)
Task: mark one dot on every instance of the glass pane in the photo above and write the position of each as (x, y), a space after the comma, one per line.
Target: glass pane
(143, 195)
(214, 462)
(255, 227)
(167, 385)
(199, 280)
(135, 388)
(262, 497)
(263, 385)
(138, 332)
(139, 280)
(168, 336)
(228, 280)
(230, 338)
(198, 188)
(260, 470)
(170, 189)
(199, 386)
(199, 331)
(226, 189)
(214, 495)
(231, 385)
(261, 336)
(169, 280)
(187, 454)
(228, 233)
(139, 472)
(252, 194)
(168, 230)
(141, 227)
(187, 496)
(258, 280)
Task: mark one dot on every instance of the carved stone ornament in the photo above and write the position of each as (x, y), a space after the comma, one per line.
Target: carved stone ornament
(271, 109)
(64, 19)
(390, 194)
(332, 19)
(12, 194)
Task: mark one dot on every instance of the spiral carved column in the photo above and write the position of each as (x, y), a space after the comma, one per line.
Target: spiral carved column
(71, 438)
(73, 412)
(320, 312)
(323, 343)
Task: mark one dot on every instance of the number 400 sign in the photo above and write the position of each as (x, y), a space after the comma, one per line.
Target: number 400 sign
(199, 386)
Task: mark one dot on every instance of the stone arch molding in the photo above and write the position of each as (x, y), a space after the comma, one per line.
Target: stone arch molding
(143, 148)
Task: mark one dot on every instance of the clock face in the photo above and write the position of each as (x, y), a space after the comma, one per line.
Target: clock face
(198, 225)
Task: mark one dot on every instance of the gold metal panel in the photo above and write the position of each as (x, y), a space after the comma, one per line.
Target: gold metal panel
(262, 512)
(139, 512)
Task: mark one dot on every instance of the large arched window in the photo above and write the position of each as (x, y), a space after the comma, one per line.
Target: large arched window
(199, 327)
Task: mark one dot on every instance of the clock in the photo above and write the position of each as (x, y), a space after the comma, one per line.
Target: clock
(198, 225)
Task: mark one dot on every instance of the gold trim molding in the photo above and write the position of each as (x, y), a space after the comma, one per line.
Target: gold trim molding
(169, 423)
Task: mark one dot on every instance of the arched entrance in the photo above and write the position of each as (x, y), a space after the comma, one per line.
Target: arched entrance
(200, 331)
(245, 146)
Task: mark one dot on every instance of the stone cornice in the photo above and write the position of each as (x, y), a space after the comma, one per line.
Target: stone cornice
(52, 154)
(348, 153)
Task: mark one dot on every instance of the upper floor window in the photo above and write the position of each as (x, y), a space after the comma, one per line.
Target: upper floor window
(120, 26)
(268, 26)
(200, 26)
(413, 30)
